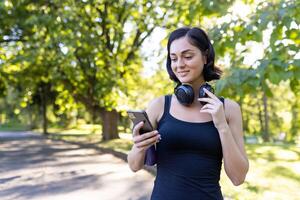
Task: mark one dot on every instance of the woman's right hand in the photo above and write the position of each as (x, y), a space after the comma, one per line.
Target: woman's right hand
(144, 141)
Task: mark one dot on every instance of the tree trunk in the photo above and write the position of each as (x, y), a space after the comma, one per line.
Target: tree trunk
(244, 120)
(30, 117)
(44, 108)
(266, 136)
(260, 117)
(94, 114)
(295, 126)
(109, 124)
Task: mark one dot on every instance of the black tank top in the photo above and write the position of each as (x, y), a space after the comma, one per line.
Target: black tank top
(189, 159)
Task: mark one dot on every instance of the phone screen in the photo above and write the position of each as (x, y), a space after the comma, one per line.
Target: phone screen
(137, 116)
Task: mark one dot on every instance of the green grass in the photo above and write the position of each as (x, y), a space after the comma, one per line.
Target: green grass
(274, 174)
(86, 133)
(13, 127)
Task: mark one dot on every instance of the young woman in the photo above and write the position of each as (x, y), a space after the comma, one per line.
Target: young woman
(192, 134)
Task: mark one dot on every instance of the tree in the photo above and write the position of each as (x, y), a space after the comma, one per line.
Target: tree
(102, 55)
(103, 40)
(278, 64)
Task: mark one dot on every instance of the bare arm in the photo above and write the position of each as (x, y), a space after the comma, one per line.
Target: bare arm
(136, 156)
(231, 134)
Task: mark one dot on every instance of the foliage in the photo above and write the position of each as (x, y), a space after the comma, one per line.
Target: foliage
(86, 56)
(278, 62)
(274, 26)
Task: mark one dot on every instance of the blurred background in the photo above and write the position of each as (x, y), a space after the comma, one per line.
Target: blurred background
(70, 70)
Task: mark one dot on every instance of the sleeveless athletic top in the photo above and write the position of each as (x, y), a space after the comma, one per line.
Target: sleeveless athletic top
(189, 159)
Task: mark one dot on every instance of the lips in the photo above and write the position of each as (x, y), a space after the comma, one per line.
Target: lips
(183, 73)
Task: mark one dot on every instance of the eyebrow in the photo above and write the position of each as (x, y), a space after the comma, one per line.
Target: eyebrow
(183, 52)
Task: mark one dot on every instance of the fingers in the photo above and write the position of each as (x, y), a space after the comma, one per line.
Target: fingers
(210, 94)
(148, 142)
(211, 100)
(145, 136)
(147, 139)
(136, 129)
(207, 107)
(207, 110)
(208, 100)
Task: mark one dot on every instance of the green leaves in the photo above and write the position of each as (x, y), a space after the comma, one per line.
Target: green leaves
(278, 19)
(89, 51)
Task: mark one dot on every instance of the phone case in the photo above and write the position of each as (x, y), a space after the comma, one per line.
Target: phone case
(137, 117)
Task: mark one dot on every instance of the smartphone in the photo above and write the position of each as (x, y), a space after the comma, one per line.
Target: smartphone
(137, 116)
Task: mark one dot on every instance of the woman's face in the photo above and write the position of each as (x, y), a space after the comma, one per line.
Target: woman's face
(187, 61)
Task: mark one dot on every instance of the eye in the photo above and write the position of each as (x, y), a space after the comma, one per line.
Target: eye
(188, 57)
(173, 59)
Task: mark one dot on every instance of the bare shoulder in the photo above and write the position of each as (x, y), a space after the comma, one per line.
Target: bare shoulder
(232, 109)
(155, 110)
(231, 104)
(157, 102)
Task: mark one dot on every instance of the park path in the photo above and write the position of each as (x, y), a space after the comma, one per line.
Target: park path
(36, 168)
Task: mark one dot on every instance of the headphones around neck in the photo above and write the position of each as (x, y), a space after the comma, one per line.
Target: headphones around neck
(185, 93)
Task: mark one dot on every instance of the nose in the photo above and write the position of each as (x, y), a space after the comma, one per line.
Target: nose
(180, 62)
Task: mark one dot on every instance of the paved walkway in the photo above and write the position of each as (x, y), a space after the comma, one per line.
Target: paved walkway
(36, 168)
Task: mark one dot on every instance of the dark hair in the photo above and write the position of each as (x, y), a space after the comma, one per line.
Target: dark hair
(198, 38)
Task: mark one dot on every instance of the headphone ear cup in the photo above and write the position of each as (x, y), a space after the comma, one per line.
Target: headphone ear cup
(202, 94)
(184, 94)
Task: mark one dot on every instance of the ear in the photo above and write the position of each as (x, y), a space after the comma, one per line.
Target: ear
(204, 59)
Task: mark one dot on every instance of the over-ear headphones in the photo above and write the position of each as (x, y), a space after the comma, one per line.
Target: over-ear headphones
(185, 93)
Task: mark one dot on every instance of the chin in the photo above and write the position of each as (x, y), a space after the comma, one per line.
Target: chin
(185, 80)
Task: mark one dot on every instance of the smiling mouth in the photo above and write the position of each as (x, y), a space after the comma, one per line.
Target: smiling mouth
(183, 73)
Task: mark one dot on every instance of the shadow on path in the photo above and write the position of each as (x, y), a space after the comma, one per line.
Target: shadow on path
(34, 167)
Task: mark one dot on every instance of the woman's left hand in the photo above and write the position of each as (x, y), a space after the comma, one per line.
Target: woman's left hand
(214, 107)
